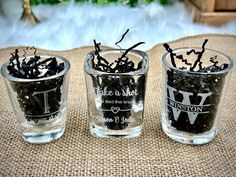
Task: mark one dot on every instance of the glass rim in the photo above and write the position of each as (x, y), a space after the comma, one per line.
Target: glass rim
(231, 62)
(9, 77)
(144, 58)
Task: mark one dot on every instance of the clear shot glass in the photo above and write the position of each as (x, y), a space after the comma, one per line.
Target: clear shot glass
(40, 105)
(116, 100)
(192, 100)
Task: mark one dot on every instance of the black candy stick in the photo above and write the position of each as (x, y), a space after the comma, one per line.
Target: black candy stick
(172, 55)
(199, 56)
(122, 38)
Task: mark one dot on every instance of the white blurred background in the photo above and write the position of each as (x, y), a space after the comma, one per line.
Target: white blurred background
(70, 25)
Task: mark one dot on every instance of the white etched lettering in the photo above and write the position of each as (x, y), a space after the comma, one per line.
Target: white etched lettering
(45, 96)
(185, 105)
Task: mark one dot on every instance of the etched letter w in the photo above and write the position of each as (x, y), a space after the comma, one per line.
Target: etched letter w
(185, 102)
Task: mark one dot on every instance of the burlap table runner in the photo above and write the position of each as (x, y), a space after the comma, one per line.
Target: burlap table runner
(77, 153)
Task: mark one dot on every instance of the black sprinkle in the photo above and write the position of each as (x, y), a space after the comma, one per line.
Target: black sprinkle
(199, 55)
(122, 38)
(32, 68)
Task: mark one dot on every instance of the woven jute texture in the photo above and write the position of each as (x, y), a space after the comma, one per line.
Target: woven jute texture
(77, 153)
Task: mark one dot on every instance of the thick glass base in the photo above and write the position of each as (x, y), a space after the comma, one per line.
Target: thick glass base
(103, 132)
(37, 137)
(188, 138)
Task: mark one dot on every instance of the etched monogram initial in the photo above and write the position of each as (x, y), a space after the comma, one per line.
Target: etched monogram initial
(185, 105)
(45, 96)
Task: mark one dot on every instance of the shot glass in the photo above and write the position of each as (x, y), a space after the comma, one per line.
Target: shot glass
(40, 105)
(192, 100)
(116, 100)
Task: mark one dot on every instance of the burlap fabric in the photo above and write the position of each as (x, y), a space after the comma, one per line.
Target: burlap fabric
(77, 153)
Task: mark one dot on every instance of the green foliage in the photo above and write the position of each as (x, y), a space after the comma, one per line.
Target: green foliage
(37, 2)
(164, 2)
(148, 1)
(131, 3)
